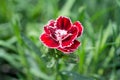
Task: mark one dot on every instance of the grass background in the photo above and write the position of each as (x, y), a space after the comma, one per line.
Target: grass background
(23, 56)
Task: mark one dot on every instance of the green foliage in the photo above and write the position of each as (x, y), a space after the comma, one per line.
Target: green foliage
(24, 57)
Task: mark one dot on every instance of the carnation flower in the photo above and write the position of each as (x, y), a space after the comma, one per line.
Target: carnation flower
(62, 34)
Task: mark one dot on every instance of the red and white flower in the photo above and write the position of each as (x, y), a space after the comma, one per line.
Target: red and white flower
(62, 34)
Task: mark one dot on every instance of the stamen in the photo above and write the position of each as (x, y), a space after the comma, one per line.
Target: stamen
(60, 34)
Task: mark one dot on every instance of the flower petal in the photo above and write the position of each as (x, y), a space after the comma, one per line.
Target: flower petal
(70, 49)
(46, 29)
(48, 26)
(63, 23)
(79, 26)
(69, 39)
(51, 23)
(48, 41)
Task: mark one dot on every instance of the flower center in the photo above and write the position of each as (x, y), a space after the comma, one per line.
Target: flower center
(60, 34)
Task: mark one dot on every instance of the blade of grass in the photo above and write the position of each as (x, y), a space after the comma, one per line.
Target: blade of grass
(7, 45)
(16, 28)
(76, 76)
(11, 58)
(66, 8)
(31, 45)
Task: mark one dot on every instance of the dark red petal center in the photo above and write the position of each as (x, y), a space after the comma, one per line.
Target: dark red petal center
(63, 23)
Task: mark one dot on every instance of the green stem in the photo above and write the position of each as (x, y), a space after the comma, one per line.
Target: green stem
(57, 63)
(57, 68)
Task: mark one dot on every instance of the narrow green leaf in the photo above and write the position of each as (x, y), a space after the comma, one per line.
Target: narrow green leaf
(76, 76)
(7, 45)
(66, 8)
(30, 44)
(11, 58)
(15, 23)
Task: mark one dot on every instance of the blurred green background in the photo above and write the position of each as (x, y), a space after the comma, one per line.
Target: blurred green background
(24, 57)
